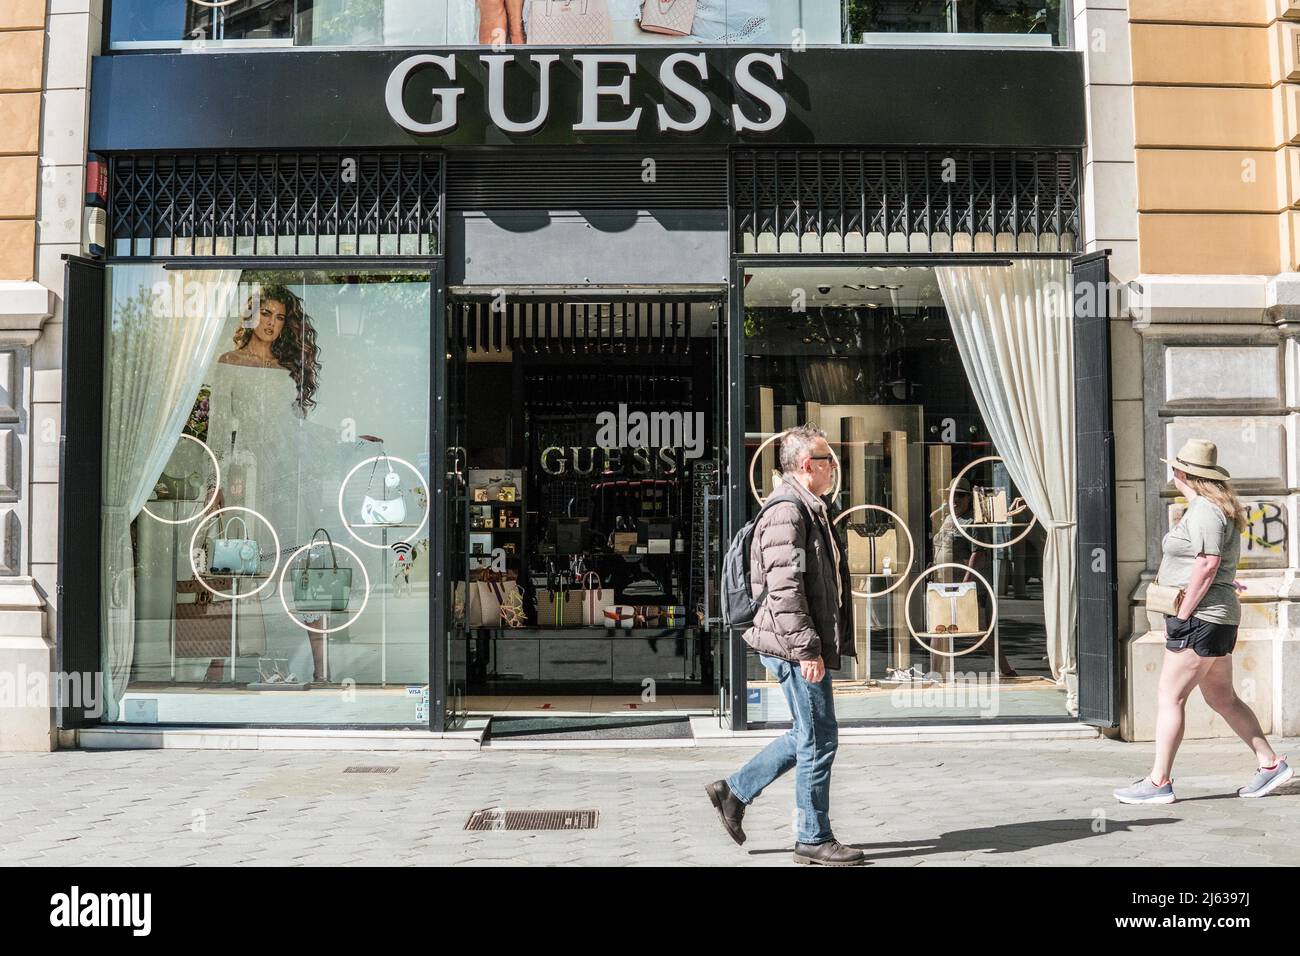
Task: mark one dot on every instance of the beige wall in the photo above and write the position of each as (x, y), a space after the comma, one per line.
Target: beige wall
(1216, 103)
(22, 49)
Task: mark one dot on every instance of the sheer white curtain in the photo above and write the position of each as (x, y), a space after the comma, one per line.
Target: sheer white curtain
(1013, 326)
(164, 329)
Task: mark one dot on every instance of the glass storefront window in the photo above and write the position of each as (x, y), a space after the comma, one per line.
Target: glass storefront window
(937, 534)
(265, 496)
(204, 24)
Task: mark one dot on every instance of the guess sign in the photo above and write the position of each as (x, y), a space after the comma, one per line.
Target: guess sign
(601, 98)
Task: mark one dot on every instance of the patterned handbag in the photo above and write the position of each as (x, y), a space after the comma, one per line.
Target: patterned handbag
(648, 615)
(558, 608)
(673, 17)
(570, 23)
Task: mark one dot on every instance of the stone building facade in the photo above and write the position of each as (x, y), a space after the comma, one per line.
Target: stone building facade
(45, 50)
(1211, 345)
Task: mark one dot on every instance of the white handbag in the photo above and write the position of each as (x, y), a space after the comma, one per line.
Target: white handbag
(384, 510)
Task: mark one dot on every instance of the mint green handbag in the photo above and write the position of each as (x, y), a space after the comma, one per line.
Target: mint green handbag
(322, 588)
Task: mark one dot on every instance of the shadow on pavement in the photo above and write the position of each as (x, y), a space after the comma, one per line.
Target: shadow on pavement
(1003, 838)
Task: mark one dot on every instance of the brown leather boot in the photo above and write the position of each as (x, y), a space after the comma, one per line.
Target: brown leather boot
(730, 809)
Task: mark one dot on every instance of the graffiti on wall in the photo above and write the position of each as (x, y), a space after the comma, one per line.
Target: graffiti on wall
(1264, 542)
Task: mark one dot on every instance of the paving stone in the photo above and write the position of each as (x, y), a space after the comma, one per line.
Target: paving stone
(972, 804)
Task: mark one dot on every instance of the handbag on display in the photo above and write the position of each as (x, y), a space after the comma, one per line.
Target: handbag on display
(1164, 599)
(673, 615)
(595, 598)
(570, 23)
(620, 617)
(672, 17)
(952, 608)
(485, 603)
(990, 505)
(390, 509)
(235, 555)
(873, 549)
(558, 608)
(323, 588)
(203, 622)
(647, 615)
(173, 488)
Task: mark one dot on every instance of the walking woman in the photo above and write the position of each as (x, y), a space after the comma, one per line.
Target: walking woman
(1200, 557)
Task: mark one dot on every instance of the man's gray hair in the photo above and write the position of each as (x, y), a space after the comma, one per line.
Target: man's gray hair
(796, 445)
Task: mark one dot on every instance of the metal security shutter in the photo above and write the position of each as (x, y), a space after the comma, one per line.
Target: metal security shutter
(579, 180)
(276, 204)
(1096, 572)
(938, 200)
(79, 484)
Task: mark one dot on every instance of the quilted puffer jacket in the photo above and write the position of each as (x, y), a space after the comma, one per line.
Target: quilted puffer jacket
(807, 611)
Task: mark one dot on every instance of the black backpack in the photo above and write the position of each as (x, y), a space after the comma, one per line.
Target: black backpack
(738, 602)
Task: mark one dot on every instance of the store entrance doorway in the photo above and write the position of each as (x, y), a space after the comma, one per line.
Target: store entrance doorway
(585, 441)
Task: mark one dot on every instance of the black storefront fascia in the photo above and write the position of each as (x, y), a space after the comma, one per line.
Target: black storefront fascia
(965, 101)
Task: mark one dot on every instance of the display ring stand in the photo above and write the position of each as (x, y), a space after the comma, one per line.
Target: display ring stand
(983, 635)
(901, 575)
(952, 492)
(212, 496)
(383, 547)
(753, 488)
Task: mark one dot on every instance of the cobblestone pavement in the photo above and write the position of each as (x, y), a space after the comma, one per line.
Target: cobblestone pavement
(986, 804)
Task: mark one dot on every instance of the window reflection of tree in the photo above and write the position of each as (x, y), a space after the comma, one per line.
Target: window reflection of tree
(947, 16)
(242, 20)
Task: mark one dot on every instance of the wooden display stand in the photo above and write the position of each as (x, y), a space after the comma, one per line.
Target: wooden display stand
(940, 479)
(895, 443)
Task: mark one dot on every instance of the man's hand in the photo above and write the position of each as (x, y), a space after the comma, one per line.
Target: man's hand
(813, 671)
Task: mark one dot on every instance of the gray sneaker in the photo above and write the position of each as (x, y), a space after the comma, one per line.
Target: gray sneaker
(1266, 781)
(1144, 791)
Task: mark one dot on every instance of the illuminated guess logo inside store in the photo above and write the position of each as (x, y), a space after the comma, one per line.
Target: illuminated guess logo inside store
(682, 75)
(560, 460)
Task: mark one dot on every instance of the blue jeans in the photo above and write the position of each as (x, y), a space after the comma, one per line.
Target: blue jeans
(809, 746)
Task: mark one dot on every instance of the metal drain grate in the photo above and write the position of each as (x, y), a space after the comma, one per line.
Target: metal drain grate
(533, 820)
(370, 770)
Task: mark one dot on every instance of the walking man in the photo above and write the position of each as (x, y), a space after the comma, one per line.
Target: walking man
(801, 629)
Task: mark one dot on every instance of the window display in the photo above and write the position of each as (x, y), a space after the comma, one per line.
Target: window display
(949, 579)
(587, 428)
(240, 404)
(200, 24)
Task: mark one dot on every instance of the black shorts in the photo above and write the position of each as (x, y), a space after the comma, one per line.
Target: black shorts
(1206, 638)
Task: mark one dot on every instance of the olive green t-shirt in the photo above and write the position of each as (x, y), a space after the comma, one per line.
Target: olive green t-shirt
(1204, 528)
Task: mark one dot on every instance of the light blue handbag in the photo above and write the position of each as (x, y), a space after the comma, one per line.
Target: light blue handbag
(235, 555)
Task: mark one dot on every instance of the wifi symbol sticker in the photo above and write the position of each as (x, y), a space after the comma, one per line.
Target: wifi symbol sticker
(403, 552)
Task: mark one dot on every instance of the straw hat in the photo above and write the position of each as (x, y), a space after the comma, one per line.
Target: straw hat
(1200, 458)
